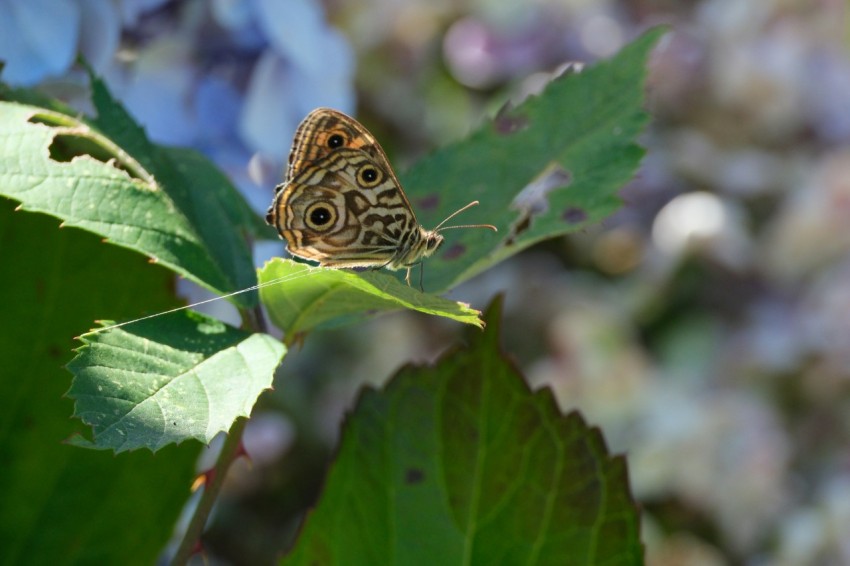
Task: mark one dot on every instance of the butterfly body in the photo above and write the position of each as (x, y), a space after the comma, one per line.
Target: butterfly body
(341, 203)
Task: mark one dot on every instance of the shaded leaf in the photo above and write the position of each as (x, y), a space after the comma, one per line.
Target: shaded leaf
(304, 298)
(62, 505)
(164, 380)
(462, 464)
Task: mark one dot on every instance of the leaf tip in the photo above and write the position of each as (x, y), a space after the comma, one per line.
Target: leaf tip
(493, 312)
(80, 441)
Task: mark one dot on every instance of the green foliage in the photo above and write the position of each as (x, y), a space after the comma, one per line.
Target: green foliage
(462, 464)
(105, 176)
(63, 505)
(456, 464)
(164, 380)
(573, 146)
(300, 298)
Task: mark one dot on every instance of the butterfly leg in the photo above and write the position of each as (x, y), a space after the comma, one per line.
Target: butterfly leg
(421, 272)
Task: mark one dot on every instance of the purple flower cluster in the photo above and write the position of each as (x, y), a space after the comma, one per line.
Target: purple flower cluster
(232, 79)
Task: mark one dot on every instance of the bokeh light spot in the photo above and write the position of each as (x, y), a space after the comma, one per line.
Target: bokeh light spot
(687, 219)
(601, 35)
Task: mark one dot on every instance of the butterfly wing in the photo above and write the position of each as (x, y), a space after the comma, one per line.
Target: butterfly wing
(322, 131)
(330, 209)
(345, 209)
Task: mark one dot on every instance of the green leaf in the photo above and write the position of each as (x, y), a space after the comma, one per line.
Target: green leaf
(571, 148)
(161, 381)
(62, 505)
(300, 298)
(576, 142)
(104, 176)
(197, 186)
(462, 464)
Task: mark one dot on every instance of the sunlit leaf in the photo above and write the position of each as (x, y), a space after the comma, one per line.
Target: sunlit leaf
(161, 381)
(104, 176)
(302, 298)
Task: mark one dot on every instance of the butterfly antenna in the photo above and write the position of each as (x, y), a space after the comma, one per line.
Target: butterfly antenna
(455, 213)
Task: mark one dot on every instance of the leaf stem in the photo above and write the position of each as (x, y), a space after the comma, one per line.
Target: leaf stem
(230, 451)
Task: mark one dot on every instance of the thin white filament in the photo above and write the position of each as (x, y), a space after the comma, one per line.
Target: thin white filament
(290, 277)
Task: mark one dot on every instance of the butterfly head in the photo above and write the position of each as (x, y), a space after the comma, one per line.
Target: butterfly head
(432, 241)
(429, 241)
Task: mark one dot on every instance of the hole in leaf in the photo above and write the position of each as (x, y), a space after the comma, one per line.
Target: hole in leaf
(69, 143)
(507, 122)
(66, 147)
(569, 68)
(533, 199)
(520, 226)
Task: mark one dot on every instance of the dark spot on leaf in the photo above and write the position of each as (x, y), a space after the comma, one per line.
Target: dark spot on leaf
(54, 352)
(574, 215)
(508, 122)
(428, 203)
(454, 252)
(414, 476)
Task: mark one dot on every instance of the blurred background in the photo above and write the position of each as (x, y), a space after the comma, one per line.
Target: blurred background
(705, 327)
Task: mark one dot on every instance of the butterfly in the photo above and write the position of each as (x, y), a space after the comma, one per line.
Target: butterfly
(342, 205)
